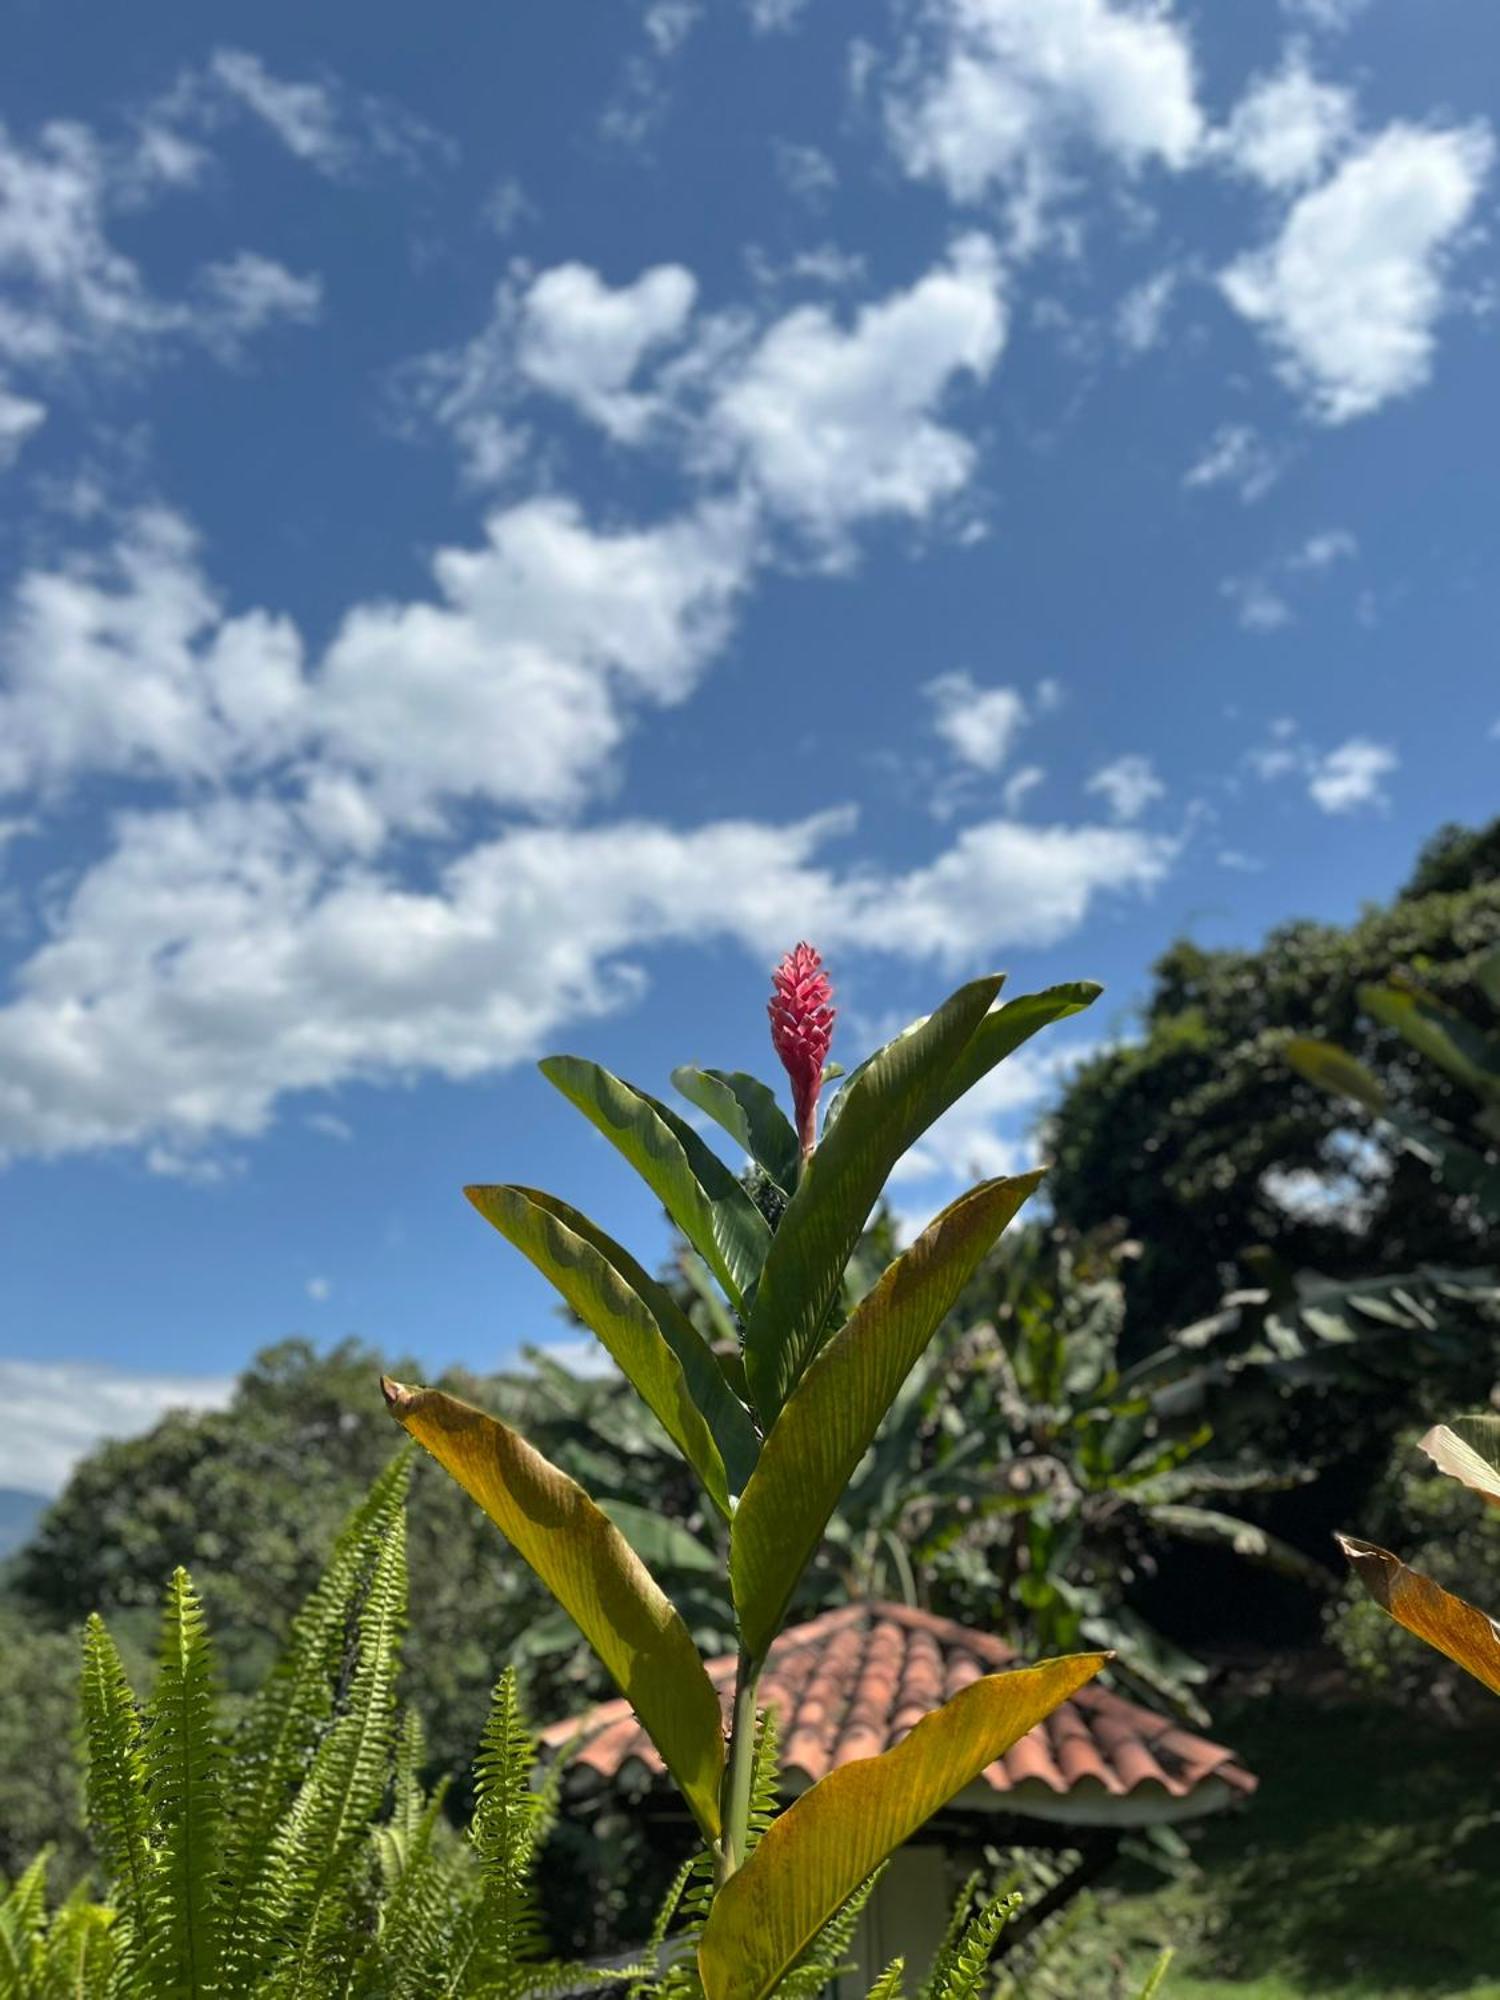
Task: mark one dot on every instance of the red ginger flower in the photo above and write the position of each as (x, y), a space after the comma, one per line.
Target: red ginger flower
(802, 1021)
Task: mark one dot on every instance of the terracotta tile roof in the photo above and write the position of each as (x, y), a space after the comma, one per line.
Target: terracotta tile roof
(852, 1682)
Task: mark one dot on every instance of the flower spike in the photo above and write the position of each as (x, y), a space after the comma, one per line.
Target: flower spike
(802, 1019)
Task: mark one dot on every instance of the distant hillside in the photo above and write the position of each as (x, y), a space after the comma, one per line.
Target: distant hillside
(19, 1514)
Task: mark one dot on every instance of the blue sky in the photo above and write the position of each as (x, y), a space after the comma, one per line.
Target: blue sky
(516, 515)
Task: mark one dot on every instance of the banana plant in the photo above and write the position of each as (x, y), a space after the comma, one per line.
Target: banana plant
(1467, 1450)
(772, 1421)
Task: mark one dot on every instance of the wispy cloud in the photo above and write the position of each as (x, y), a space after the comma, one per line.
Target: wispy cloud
(56, 1411)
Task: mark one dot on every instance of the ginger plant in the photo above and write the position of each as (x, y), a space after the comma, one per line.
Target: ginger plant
(773, 1424)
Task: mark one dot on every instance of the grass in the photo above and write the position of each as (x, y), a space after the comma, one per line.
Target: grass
(1367, 1867)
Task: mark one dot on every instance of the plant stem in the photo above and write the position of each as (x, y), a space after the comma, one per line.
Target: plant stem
(741, 1768)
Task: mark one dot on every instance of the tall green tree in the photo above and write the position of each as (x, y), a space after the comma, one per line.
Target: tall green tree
(1198, 1137)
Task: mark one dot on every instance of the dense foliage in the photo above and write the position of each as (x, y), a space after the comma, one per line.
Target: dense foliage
(1201, 1141)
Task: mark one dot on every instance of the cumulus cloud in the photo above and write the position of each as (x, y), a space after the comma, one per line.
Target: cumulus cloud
(1141, 316)
(1350, 291)
(214, 962)
(1128, 785)
(992, 93)
(978, 724)
(1286, 128)
(20, 417)
(828, 424)
(59, 1410)
(68, 294)
(583, 340)
(1352, 776)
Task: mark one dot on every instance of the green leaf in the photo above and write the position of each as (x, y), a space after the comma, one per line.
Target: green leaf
(1468, 1450)
(748, 1111)
(660, 1542)
(1333, 1069)
(1447, 1623)
(1004, 1029)
(885, 1106)
(656, 1345)
(837, 1833)
(184, 1764)
(1439, 1033)
(595, 1575)
(690, 1181)
(826, 1424)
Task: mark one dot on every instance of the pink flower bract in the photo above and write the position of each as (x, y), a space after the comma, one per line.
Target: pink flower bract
(802, 1019)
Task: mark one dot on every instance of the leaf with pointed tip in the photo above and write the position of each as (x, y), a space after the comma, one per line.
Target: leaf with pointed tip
(1333, 1069)
(885, 1107)
(687, 1177)
(1447, 1623)
(595, 1575)
(640, 1324)
(1468, 1450)
(748, 1111)
(1004, 1029)
(827, 1422)
(837, 1833)
(1440, 1033)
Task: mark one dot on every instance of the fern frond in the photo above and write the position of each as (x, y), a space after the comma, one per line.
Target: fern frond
(115, 1789)
(827, 1956)
(80, 1954)
(501, 1931)
(183, 1763)
(320, 1853)
(888, 1985)
(966, 1973)
(23, 1919)
(273, 1746)
(765, 1777)
(958, 1918)
(421, 1893)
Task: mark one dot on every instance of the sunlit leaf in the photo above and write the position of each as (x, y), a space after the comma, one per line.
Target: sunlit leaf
(1333, 1069)
(837, 1833)
(595, 1575)
(1004, 1029)
(689, 1179)
(1468, 1450)
(885, 1106)
(827, 1422)
(748, 1111)
(1440, 1033)
(1464, 1633)
(656, 1345)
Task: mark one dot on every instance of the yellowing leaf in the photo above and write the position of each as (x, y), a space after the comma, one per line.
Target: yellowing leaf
(1449, 1625)
(1468, 1450)
(1333, 1069)
(594, 1574)
(811, 1859)
(656, 1345)
(827, 1422)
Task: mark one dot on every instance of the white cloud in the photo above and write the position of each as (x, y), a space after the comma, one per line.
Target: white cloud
(830, 425)
(776, 16)
(1350, 292)
(335, 131)
(583, 340)
(214, 962)
(991, 96)
(1324, 549)
(319, 1290)
(20, 418)
(125, 663)
(1236, 456)
(1259, 605)
(1020, 786)
(1141, 316)
(56, 1411)
(1286, 128)
(68, 294)
(244, 294)
(1128, 786)
(1263, 600)
(805, 171)
(978, 724)
(515, 686)
(1351, 776)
